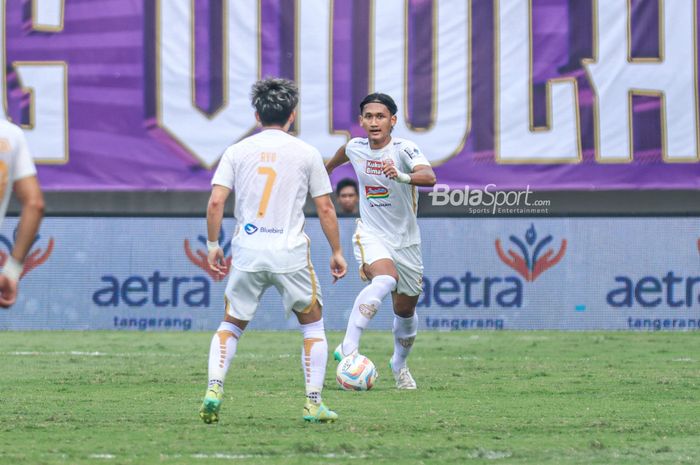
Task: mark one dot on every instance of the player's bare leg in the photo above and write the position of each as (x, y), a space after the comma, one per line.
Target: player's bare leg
(221, 352)
(405, 330)
(383, 276)
(314, 356)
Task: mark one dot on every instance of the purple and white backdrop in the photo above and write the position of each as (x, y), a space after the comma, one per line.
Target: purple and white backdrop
(555, 94)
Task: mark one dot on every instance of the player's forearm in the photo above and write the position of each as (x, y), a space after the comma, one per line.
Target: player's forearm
(423, 178)
(329, 225)
(30, 219)
(215, 214)
(338, 159)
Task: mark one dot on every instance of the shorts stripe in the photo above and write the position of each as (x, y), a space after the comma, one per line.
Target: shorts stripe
(314, 294)
(227, 307)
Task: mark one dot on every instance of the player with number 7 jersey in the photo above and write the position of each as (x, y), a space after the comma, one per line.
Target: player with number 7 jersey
(272, 173)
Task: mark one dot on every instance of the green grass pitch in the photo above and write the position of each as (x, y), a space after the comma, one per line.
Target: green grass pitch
(483, 397)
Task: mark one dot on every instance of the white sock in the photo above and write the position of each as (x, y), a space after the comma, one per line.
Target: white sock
(314, 356)
(405, 330)
(221, 352)
(365, 307)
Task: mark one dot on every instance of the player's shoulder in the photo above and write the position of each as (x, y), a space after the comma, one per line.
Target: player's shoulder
(11, 139)
(400, 143)
(238, 148)
(302, 146)
(10, 132)
(406, 147)
(357, 145)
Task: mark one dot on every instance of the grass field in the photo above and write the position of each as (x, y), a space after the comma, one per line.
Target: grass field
(496, 397)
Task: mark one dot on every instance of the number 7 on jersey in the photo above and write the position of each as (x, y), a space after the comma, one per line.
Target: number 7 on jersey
(267, 191)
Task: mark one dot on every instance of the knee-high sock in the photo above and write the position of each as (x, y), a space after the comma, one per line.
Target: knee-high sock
(221, 352)
(314, 356)
(405, 330)
(366, 305)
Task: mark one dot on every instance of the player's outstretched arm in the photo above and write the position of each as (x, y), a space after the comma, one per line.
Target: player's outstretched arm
(338, 159)
(329, 224)
(215, 215)
(30, 197)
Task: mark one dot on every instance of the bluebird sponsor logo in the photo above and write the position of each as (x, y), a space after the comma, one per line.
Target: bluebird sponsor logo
(250, 228)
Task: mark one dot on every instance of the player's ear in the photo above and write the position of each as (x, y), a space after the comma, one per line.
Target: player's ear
(257, 118)
(393, 121)
(291, 118)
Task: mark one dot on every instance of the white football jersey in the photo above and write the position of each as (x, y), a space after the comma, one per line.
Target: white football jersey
(387, 208)
(271, 173)
(15, 161)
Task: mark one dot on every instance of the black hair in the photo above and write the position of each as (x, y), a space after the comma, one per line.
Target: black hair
(345, 182)
(274, 99)
(378, 97)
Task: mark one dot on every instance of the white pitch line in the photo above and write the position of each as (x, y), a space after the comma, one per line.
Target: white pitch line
(102, 456)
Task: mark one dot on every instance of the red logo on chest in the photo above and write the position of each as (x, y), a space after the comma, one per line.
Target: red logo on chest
(373, 167)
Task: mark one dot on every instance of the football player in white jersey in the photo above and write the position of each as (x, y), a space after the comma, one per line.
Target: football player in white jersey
(17, 172)
(387, 239)
(272, 173)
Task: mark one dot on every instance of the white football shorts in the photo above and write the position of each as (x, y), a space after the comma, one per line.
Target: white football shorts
(299, 290)
(408, 260)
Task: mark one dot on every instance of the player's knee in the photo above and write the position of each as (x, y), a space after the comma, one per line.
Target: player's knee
(386, 282)
(404, 309)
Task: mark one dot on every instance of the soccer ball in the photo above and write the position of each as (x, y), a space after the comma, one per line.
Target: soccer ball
(356, 373)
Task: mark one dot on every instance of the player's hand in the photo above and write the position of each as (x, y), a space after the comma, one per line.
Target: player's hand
(8, 291)
(338, 266)
(217, 261)
(389, 169)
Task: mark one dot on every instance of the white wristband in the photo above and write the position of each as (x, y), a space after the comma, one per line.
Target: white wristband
(403, 178)
(12, 269)
(212, 246)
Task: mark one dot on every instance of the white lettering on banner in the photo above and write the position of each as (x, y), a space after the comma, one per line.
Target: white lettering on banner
(315, 118)
(46, 82)
(451, 77)
(517, 140)
(206, 136)
(47, 131)
(47, 15)
(616, 77)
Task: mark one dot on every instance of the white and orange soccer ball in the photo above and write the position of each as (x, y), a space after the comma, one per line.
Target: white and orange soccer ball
(356, 373)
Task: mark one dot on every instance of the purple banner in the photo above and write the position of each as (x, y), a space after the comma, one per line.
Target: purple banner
(118, 64)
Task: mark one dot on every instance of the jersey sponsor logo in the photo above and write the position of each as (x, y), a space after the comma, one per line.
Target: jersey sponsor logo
(534, 257)
(410, 152)
(250, 229)
(35, 258)
(376, 192)
(273, 230)
(374, 167)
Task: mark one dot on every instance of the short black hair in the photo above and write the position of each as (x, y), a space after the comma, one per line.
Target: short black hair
(345, 182)
(274, 99)
(378, 97)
